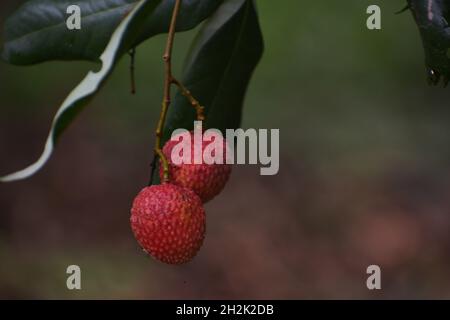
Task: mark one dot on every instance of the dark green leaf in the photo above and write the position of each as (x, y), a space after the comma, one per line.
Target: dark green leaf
(121, 40)
(37, 31)
(432, 18)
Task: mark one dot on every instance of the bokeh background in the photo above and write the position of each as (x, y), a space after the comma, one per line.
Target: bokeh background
(364, 171)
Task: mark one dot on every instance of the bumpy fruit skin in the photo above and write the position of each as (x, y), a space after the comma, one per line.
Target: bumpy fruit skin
(168, 222)
(206, 180)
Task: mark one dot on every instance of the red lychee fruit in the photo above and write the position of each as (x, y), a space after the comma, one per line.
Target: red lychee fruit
(206, 180)
(168, 222)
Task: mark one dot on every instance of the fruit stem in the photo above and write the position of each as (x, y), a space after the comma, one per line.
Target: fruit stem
(158, 150)
(168, 80)
(194, 102)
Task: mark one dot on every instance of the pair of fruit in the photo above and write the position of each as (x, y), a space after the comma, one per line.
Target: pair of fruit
(168, 220)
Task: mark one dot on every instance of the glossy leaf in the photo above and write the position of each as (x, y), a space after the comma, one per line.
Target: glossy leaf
(37, 31)
(123, 37)
(432, 19)
(219, 68)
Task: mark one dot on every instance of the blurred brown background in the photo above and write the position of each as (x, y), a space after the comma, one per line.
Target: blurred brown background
(364, 171)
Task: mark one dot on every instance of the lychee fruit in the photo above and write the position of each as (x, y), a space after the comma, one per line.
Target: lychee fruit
(168, 222)
(206, 180)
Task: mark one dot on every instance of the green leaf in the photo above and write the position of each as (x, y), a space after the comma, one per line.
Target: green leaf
(432, 19)
(219, 68)
(37, 31)
(121, 40)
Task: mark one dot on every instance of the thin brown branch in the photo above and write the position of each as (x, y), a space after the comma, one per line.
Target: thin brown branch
(199, 109)
(168, 80)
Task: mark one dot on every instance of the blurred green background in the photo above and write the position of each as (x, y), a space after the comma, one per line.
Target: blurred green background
(364, 171)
